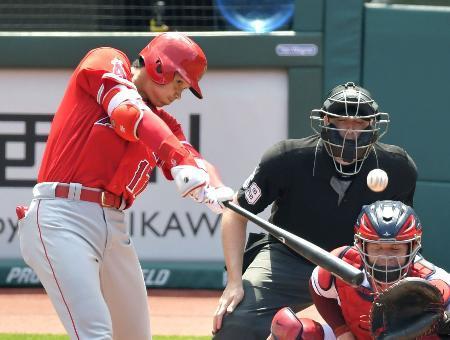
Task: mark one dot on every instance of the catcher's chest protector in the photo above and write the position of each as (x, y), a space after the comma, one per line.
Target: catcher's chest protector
(355, 305)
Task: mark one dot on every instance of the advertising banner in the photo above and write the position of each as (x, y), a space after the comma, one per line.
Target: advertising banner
(243, 113)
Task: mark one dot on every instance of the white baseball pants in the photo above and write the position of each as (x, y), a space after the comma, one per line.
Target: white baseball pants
(86, 261)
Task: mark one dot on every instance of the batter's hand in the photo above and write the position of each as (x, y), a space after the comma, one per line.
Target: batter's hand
(189, 178)
(213, 197)
(231, 297)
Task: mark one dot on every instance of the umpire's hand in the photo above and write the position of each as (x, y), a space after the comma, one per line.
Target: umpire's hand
(231, 297)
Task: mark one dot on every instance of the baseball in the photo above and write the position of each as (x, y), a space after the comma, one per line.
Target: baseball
(377, 180)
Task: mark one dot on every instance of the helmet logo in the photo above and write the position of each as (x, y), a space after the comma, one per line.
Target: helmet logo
(388, 213)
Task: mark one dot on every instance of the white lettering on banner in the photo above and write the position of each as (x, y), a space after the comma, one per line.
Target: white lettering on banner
(156, 277)
(297, 50)
(145, 223)
(18, 164)
(22, 275)
(26, 275)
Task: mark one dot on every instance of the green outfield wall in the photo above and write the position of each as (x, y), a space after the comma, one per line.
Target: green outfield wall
(406, 64)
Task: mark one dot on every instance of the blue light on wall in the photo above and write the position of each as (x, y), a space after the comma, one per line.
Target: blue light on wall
(257, 16)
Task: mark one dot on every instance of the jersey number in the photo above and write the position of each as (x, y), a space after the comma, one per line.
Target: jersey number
(140, 178)
(253, 193)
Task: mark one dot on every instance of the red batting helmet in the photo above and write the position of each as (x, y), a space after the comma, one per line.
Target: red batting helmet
(174, 52)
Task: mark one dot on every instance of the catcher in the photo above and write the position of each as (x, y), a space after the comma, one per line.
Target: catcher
(403, 296)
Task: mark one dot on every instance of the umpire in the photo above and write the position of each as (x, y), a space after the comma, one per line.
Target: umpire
(316, 186)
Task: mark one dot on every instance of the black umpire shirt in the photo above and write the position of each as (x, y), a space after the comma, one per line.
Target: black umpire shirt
(306, 204)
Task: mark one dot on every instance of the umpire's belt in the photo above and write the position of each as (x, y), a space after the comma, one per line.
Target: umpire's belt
(76, 191)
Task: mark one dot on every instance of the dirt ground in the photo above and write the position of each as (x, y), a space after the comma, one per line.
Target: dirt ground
(173, 312)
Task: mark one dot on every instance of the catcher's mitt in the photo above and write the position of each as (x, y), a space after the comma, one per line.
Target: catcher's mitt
(407, 310)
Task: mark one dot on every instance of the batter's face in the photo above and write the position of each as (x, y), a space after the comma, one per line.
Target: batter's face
(387, 254)
(158, 95)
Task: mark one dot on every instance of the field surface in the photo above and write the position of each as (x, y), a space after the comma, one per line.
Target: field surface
(27, 314)
(173, 312)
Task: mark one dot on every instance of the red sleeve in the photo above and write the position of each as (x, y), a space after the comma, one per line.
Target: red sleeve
(330, 311)
(101, 69)
(177, 130)
(172, 123)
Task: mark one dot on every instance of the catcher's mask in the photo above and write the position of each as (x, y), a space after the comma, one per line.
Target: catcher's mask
(388, 222)
(174, 52)
(352, 146)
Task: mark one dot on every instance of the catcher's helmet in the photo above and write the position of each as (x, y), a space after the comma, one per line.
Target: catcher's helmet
(353, 102)
(388, 222)
(174, 52)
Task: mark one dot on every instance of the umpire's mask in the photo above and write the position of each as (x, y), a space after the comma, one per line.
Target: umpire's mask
(349, 148)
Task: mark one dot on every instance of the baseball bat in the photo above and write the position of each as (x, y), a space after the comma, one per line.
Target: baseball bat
(308, 250)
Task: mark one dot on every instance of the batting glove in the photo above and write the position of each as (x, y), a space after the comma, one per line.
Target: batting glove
(213, 197)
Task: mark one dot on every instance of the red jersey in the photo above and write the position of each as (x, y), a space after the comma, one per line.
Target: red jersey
(82, 146)
(355, 302)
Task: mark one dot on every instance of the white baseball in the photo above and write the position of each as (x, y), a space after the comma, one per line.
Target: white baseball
(377, 180)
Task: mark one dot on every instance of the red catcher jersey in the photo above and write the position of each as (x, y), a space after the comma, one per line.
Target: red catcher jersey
(355, 303)
(83, 147)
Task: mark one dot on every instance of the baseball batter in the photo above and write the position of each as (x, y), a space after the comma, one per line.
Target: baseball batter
(107, 136)
(387, 240)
